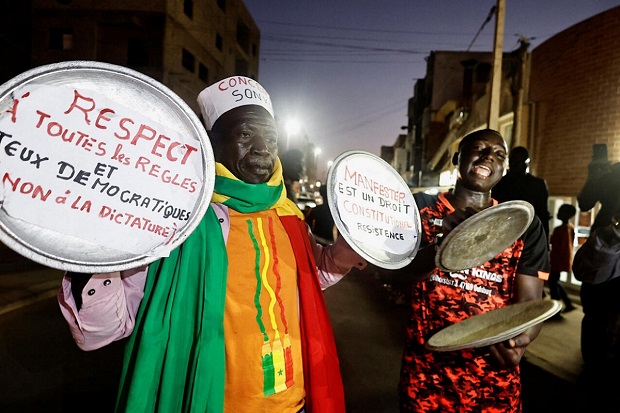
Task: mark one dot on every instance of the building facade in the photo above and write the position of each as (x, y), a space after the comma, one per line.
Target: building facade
(574, 95)
(557, 100)
(451, 101)
(184, 44)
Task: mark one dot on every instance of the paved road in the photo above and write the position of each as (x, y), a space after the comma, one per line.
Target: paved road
(43, 370)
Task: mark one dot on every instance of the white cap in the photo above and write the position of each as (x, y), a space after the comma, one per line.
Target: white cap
(231, 93)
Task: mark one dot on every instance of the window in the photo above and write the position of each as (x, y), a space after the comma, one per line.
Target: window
(483, 72)
(137, 52)
(61, 38)
(188, 60)
(203, 73)
(188, 8)
(243, 36)
(241, 67)
(219, 42)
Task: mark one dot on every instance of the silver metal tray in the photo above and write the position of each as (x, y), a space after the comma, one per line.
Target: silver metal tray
(493, 326)
(484, 235)
(87, 242)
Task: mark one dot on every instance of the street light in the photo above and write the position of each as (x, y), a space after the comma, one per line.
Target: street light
(292, 128)
(317, 152)
(315, 163)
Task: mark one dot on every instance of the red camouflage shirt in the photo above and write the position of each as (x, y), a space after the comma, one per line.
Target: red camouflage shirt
(463, 380)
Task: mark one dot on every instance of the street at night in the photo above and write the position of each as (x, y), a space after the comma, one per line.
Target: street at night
(44, 371)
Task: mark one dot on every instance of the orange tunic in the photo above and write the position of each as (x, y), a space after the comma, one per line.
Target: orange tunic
(261, 321)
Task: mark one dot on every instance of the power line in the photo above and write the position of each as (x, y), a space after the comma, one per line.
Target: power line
(367, 119)
(325, 60)
(364, 30)
(347, 46)
(484, 23)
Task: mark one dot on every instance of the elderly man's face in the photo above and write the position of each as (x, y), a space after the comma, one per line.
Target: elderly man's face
(245, 141)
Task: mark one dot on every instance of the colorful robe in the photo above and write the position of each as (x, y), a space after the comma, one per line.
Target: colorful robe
(175, 358)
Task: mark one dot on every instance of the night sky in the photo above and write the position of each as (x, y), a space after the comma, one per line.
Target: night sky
(345, 69)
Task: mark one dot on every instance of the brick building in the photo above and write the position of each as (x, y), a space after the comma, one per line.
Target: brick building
(561, 98)
(574, 94)
(557, 101)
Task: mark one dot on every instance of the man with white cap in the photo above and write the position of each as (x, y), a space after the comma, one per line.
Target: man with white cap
(234, 319)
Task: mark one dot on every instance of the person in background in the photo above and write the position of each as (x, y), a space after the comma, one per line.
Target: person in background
(596, 264)
(561, 255)
(597, 261)
(519, 184)
(293, 169)
(321, 220)
(601, 186)
(483, 379)
(601, 307)
(234, 319)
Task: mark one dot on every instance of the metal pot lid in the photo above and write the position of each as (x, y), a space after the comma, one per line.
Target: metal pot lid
(102, 168)
(484, 235)
(374, 210)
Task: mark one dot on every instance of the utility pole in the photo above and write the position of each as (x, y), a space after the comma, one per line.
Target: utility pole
(496, 74)
(520, 81)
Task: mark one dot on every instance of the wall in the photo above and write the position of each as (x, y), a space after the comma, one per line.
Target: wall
(575, 100)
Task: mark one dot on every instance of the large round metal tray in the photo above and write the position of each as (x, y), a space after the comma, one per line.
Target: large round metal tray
(86, 242)
(374, 210)
(494, 326)
(484, 235)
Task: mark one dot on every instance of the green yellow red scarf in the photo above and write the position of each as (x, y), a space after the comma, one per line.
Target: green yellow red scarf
(175, 358)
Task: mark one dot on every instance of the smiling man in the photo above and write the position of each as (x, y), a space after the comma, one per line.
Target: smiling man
(470, 380)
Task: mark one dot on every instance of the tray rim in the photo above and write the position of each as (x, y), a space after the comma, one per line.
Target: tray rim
(517, 205)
